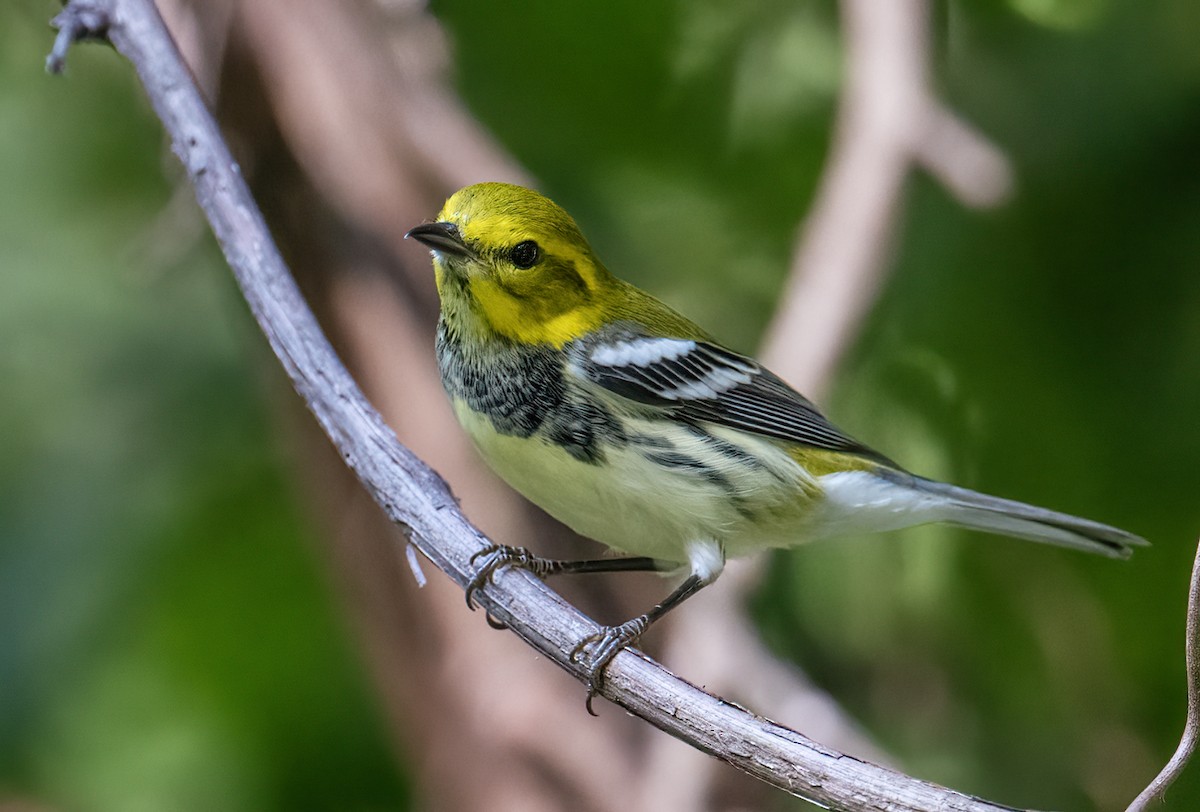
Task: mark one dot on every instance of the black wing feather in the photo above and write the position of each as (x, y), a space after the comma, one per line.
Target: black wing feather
(710, 383)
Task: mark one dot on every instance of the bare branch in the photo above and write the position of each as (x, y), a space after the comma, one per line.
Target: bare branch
(1156, 792)
(416, 498)
(74, 25)
(970, 167)
(888, 122)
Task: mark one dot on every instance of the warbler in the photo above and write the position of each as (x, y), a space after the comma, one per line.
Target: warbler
(634, 427)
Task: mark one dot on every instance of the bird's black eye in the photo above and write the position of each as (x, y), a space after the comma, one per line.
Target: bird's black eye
(525, 254)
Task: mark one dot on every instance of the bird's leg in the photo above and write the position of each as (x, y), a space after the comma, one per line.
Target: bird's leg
(597, 650)
(496, 557)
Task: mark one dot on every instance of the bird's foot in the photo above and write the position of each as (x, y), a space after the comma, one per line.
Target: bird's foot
(596, 651)
(496, 557)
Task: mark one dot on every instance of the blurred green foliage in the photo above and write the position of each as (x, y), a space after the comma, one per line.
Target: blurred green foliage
(166, 633)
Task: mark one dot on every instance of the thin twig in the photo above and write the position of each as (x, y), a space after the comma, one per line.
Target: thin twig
(74, 25)
(415, 497)
(1156, 792)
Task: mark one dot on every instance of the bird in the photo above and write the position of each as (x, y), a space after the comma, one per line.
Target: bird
(636, 428)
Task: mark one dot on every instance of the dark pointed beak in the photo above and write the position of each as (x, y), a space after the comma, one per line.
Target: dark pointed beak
(443, 237)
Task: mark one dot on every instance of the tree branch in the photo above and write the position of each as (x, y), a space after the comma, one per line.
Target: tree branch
(415, 497)
(1156, 792)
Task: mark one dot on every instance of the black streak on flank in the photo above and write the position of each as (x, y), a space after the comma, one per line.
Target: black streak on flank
(694, 467)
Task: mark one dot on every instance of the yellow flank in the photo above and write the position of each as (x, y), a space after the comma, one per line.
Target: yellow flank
(819, 462)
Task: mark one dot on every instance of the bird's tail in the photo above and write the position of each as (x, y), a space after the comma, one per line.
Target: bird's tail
(992, 514)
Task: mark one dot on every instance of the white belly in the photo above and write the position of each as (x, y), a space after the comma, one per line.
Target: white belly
(640, 507)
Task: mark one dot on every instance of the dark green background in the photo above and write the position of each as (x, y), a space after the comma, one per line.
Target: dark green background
(168, 638)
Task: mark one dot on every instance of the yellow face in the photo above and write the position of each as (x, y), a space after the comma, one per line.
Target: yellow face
(515, 260)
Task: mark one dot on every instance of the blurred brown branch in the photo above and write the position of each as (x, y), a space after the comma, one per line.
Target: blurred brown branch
(416, 498)
(888, 122)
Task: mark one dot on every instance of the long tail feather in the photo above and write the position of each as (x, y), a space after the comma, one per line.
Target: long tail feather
(979, 511)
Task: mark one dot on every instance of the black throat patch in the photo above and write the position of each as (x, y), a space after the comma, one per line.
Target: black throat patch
(523, 391)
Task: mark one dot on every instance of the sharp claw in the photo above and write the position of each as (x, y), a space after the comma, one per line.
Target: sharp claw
(604, 645)
(481, 577)
(495, 558)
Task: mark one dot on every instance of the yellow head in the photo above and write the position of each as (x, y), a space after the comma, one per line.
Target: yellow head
(511, 262)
